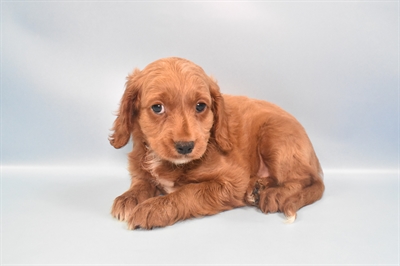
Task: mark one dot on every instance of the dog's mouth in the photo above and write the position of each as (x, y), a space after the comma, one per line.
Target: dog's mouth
(181, 159)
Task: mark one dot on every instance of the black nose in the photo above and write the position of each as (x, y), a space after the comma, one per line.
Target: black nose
(184, 147)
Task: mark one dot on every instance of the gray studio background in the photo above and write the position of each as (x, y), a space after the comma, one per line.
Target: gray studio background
(332, 64)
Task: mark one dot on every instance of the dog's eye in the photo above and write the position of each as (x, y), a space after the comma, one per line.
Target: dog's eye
(158, 108)
(200, 107)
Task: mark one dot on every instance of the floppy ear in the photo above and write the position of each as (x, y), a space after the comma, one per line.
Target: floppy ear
(128, 111)
(220, 129)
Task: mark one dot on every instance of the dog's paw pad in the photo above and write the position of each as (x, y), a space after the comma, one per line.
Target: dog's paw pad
(254, 197)
(251, 199)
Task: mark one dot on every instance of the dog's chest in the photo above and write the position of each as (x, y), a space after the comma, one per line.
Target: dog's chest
(164, 176)
(167, 185)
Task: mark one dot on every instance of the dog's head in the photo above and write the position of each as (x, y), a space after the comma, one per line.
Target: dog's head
(175, 108)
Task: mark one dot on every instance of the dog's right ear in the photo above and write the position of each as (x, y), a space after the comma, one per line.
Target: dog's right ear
(220, 129)
(128, 111)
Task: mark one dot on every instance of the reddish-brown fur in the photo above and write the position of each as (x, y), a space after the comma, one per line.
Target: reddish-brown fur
(246, 151)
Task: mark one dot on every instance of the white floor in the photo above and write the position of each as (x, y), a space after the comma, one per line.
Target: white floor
(61, 216)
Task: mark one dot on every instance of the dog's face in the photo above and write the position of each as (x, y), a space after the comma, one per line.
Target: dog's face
(175, 115)
(175, 107)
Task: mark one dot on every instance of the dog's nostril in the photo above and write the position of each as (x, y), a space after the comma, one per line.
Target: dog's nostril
(184, 147)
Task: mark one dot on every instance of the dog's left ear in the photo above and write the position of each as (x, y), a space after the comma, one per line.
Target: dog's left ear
(220, 129)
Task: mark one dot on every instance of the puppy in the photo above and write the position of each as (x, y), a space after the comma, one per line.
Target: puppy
(197, 152)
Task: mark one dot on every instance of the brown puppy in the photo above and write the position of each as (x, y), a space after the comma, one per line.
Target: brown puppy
(205, 152)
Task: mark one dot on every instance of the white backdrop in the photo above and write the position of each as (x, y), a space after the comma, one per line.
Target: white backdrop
(333, 64)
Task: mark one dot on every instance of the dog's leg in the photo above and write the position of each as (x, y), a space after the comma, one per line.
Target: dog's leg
(307, 195)
(140, 190)
(288, 196)
(191, 200)
(295, 179)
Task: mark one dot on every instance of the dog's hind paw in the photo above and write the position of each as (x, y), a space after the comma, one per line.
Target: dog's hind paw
(290, 219)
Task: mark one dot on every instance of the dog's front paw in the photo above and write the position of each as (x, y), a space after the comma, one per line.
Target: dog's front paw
(154, 212)
(124, 205)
